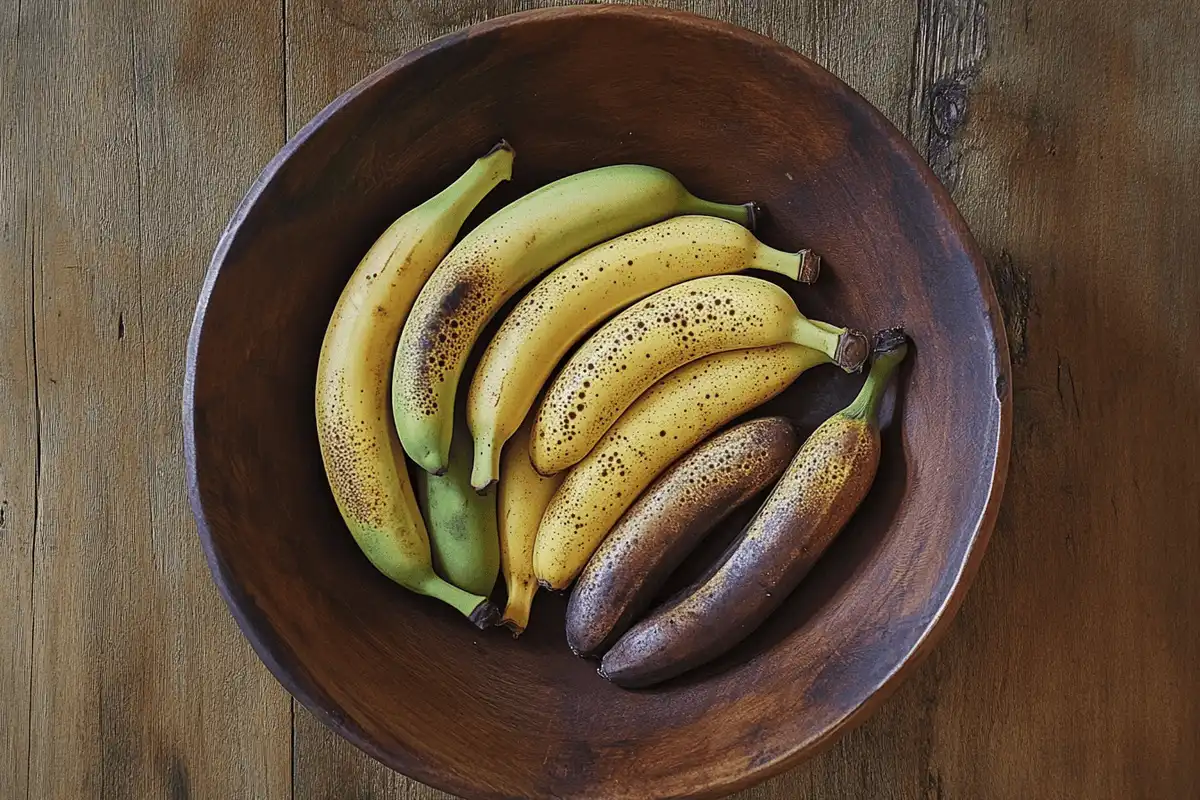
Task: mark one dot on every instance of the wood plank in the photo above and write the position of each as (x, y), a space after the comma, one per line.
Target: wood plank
(18, 418)
(149, 128)
(1071, 671)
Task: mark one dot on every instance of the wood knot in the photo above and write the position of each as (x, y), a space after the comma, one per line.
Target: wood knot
(949, 106)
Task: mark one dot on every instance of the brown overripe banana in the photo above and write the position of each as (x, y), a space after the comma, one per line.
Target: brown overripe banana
(812, 502)
(667, 522)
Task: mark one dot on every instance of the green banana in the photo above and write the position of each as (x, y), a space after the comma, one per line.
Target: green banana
(462, 522)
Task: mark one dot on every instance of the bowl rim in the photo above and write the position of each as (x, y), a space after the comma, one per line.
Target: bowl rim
(275, 654)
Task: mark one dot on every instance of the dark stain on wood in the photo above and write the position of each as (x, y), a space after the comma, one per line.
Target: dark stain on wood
(178, 785)
(1068, 395)
(949, 49)
(1014, 289)
(120, 744)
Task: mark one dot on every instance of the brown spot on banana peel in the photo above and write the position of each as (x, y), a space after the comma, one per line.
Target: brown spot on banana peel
(817, 495)
(666, 524)
(445, 335)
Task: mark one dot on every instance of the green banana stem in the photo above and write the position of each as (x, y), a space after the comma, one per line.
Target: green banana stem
(890, 348)
(803, 266)
(744, 214)
(827, 326)
(472, 186)
(845, 347)
(478, 609)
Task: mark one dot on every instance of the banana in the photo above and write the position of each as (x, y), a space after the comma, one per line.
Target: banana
(524, 495)
(585, 291)
(661, 333)
(814, 499)
(663, 424)
(512, 247)
(362, 456)
(667, 522)
(461, 522)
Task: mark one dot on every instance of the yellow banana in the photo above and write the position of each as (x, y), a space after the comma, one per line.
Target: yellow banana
(664, 423)
(362, 456)
(585, 291)
(524, 495)
(512, 247)
(662, 333)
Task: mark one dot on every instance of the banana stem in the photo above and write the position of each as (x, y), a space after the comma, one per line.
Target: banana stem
(890, 348)
(744, 214)
(827, 326)
(845, 347)
(810, 266)
(476, 608)
(472, 186)
(803, 266)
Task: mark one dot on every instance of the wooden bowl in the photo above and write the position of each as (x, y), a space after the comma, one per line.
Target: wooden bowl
(736, 117)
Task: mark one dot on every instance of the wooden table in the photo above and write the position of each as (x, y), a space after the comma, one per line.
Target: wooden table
(1069, 132)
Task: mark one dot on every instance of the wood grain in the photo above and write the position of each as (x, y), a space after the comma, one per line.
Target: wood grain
(18, 420)
(1074, 655)
(1066, 131)
(142, 686)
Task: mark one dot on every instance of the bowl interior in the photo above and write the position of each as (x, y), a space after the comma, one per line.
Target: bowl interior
(736, 117)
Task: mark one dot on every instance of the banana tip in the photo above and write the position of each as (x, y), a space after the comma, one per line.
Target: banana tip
(514, 627)
(583, 652)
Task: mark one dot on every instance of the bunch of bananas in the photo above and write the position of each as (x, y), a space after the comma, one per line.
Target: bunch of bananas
(607, 465)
